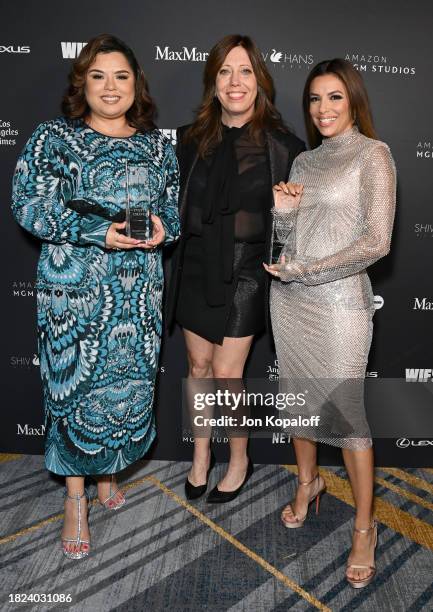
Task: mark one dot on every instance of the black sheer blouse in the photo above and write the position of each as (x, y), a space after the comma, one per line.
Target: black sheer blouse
(254, 186)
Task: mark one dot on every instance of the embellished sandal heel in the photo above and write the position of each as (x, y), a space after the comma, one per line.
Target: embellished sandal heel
(78, 541)
(114, 505)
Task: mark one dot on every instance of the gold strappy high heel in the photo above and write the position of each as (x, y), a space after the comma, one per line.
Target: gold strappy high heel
(300, 521)
(80, 554)
(359, 584)
(114, 505)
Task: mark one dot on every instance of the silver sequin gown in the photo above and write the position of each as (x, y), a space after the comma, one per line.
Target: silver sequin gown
(322, 308)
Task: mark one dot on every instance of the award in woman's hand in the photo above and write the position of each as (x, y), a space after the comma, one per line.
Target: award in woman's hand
(138, 210)
(283, 240)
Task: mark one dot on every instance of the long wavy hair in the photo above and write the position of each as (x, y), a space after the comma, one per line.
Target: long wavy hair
(358, 98)
(140, 115)
(206, 130)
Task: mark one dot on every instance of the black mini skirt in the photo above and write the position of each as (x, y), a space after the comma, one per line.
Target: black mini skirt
(243, 313)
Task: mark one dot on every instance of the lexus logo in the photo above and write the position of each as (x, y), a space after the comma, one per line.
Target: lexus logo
(404, 443)
(12, 49)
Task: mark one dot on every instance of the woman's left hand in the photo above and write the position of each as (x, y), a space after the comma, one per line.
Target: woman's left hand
(274, 269)
(158, 234)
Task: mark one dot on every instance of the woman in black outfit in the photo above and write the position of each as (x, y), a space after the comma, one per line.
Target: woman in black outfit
(229, 158)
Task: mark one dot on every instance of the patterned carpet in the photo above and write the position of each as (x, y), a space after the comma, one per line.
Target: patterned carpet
(160, 552)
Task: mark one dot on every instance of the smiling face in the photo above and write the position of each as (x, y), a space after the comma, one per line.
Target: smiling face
(330, 105)
(236, 88)
(110, 86)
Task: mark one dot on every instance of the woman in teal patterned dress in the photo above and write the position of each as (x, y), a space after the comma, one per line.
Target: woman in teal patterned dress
(99, 291)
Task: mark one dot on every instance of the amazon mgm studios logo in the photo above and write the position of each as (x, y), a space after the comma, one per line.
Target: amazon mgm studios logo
(368, 62)
(424, 150)
(288, 60)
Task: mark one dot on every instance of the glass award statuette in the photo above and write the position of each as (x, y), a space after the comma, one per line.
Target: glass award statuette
(137, 209)
(283, 242)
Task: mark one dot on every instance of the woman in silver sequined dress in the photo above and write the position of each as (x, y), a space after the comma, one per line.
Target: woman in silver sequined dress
(335, 219)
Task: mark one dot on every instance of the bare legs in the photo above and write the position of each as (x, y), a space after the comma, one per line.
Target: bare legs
(208, 360)
(359, 465)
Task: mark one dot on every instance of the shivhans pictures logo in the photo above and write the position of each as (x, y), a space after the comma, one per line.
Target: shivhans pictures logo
(422, 304)
(422, 230)
(185, 54)
(18, 361)
(71, 50)
(14, 49)
(288, 60)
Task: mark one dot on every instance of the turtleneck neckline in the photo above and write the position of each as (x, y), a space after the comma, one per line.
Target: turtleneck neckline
(346, 138)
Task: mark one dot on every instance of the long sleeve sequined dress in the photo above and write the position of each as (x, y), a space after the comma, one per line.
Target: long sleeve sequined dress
(323, 306)
(99, 310)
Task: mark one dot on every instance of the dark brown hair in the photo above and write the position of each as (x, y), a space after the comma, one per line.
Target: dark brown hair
(207, 129)
(358, 98)
(142, 113)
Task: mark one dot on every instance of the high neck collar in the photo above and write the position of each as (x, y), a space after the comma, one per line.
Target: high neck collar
(342, 140)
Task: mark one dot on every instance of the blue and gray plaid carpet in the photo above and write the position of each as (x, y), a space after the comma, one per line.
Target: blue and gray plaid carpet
(160, 552)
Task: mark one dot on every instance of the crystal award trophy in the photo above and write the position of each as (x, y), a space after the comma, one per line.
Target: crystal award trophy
(283, 240)
(137, 209)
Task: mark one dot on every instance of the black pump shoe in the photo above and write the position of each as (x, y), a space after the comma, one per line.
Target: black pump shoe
(221, 497)
(192, 492)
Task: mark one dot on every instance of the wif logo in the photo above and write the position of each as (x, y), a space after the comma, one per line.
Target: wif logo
(71, 50)
(419, 374)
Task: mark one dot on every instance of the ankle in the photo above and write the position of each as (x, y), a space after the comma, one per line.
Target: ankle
(364, 524)
(308, 478)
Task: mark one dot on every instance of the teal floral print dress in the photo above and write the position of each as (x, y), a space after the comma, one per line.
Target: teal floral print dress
(99, 310)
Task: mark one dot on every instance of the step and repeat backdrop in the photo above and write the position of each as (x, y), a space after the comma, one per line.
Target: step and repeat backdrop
(389, 42)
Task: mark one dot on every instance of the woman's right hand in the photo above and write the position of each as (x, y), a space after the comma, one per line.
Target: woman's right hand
(115, 240)
(287, 195)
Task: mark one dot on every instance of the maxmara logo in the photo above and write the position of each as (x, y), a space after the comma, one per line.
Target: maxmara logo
(71, 50)
(422, 304)
(288, 59)
(30, 430)
(185, 54)
(14, 49)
